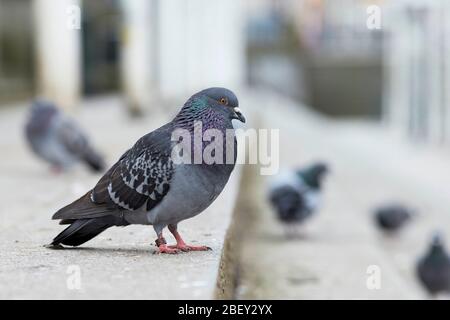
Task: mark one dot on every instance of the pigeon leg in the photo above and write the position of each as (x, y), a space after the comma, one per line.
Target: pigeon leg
(162, 245)
(181, 245)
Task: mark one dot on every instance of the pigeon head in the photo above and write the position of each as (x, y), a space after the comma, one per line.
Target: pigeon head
(41, 113)
(219, 103)
(314, 174)
(437, 241)
(43, 109)
(40, 105)
(437, 247)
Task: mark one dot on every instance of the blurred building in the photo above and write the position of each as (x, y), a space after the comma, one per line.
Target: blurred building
(316, 51)
(16, 50)
(151, 50)
(320, 52)
(417, 80)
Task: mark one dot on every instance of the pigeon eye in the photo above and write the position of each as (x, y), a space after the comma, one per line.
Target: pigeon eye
(223, 101)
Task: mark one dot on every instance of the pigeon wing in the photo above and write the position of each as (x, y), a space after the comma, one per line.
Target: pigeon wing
(71, 136)
(141, 177)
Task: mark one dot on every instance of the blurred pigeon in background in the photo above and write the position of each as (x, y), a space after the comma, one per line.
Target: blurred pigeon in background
(57, 139)
(433, 269)
(392, 217)
(146, 186)
(296, 195)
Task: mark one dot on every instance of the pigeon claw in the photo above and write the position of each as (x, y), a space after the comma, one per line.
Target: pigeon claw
(187, 248)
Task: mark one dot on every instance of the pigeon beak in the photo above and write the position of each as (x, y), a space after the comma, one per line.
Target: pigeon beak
(238, 115)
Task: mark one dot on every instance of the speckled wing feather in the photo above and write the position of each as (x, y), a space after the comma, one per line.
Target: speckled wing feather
(141, 177)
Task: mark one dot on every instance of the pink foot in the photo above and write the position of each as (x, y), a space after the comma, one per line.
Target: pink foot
(186, 247)
(167, 249)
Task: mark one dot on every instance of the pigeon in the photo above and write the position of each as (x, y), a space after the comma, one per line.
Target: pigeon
(148, 185)
(58, 140)
(391, 218)
(433, 270)
(295, 194)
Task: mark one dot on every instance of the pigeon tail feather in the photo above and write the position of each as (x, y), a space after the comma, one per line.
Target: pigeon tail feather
(83, 208)
(83, 230)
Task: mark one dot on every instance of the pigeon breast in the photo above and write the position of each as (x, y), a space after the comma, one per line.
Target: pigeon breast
(193, 188)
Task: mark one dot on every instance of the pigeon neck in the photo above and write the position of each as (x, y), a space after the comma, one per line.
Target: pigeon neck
(191, 114)
(437, 250)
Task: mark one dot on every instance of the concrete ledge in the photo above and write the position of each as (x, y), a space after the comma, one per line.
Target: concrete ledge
(119, 263)
(245, 217)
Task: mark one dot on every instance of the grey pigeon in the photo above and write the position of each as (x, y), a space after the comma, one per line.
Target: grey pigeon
(146, 186)
(295, 194)
(433, 269)
(57, 139)
(392, 217)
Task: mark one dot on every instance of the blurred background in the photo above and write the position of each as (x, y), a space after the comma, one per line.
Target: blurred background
(361, 84)
(321, 53)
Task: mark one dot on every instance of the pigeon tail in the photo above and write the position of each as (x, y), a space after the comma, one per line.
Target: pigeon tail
(83, 208)
(93, 160)
(83, 230)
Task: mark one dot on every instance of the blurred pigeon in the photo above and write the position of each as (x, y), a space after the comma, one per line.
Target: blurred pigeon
(146, 186)
(433, 269)
(57, 139)
(392, 217)
(295, 195)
